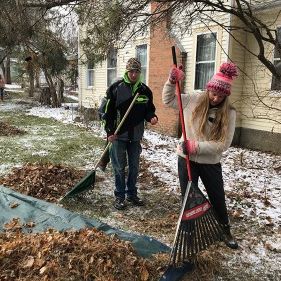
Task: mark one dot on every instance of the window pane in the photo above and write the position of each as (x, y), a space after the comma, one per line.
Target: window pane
(90, 78)
(203, 73)
(111, 66)
(206, 47)
(142, 54)
(276, 83)
(205, 59)
(141, 51)
(111, 76)
(90, 65)
(112, 58)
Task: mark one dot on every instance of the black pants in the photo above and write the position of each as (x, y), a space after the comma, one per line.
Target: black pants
(211, 177)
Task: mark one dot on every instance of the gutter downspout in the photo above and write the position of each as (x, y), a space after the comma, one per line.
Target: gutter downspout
(79, 72)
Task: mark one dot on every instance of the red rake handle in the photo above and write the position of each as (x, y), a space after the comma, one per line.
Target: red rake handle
(178, 92)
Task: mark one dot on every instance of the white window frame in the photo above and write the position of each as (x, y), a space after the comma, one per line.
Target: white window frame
(110, 67)
(198, 62)
(143, 64)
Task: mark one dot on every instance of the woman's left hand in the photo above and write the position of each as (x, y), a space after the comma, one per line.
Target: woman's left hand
(190, 147)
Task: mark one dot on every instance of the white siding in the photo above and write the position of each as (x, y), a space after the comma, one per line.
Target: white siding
(91, 97)
(260, 107)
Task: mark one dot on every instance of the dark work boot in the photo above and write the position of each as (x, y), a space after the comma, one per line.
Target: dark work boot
(228, 238)
(119, 204)
(135, 200)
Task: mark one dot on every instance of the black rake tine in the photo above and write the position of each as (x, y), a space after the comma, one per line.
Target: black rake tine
(206, 232)
(185, 246)
(180, 246)
(202, 245)
(216, 225)
(174, 251)
(213, 226)
(193, 237)
(187, 240)
(210, 227)
(189, 237)
(196, 241)
(198, 236)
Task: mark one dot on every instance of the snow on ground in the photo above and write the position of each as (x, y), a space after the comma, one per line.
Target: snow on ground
(251, 174)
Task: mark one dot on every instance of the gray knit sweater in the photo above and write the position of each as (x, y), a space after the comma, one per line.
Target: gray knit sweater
(209, 152)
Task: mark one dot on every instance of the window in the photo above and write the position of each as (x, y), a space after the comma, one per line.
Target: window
(205, 59)
(141, 51)
(276, 83)
(111, 66)
(90, 74)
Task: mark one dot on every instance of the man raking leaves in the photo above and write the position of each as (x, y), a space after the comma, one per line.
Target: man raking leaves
(126, 145)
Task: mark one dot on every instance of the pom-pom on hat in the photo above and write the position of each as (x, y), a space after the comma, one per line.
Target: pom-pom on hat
(133, 64)
(221, 81)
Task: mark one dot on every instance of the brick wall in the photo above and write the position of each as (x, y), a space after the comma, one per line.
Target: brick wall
(160, 62)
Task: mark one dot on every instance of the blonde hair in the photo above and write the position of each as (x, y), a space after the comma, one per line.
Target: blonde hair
(219, 128)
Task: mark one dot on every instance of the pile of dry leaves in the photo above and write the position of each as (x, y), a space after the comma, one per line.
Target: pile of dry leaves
(9, 130)
(76, 255)
(45, 181)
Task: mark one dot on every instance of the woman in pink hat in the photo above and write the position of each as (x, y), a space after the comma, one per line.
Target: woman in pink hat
(209, 125)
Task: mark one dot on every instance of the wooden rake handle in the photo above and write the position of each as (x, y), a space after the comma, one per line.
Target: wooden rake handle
(118, 128)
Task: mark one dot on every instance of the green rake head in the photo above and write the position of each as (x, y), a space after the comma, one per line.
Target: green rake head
(83, 185)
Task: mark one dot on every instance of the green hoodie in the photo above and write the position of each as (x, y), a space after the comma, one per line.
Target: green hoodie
(134, 86)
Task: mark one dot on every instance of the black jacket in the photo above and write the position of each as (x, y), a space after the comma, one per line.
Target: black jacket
(120, 96)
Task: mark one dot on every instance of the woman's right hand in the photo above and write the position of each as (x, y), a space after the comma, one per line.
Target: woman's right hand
(176, 74)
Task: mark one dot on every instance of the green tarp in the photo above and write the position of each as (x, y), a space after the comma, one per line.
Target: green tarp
(47, 215)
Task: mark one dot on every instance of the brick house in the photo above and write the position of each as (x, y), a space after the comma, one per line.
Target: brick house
(201, 53)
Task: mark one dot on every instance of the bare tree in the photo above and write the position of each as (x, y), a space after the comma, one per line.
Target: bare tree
(38, 31)
(112, 23)
(108, 21)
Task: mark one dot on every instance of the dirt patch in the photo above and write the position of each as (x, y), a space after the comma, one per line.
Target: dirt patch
(8, 130)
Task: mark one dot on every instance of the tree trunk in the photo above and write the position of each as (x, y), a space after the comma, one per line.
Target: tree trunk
(60, 90)
(45, 96)
(8, 70)
(37, 79)
(31, 84)
(54, 99)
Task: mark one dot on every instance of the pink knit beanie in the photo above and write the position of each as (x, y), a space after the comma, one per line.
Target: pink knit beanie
(221, 81)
